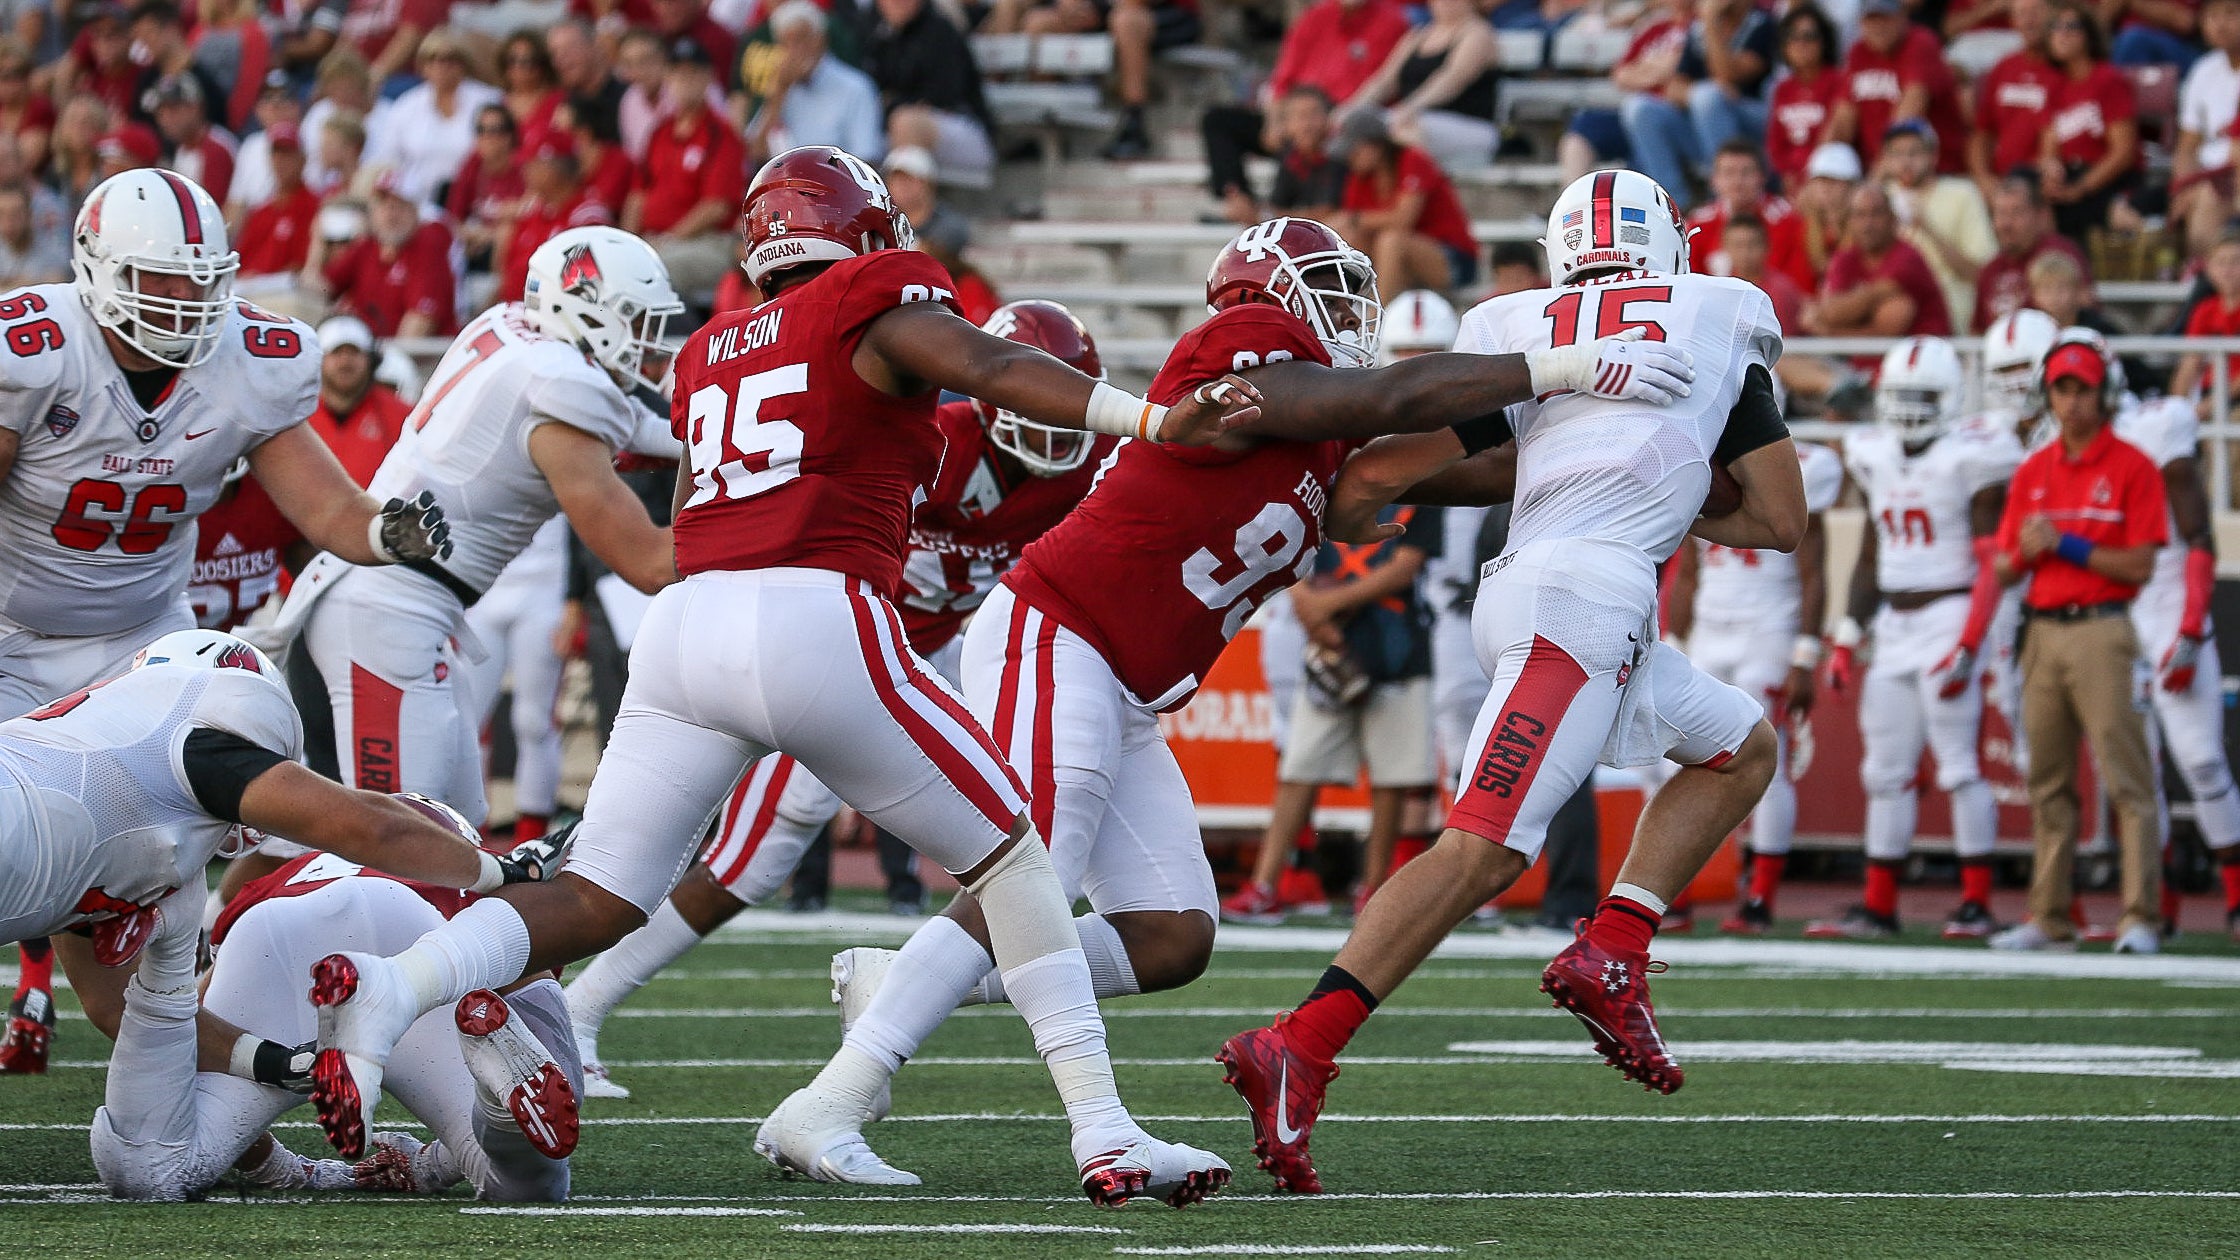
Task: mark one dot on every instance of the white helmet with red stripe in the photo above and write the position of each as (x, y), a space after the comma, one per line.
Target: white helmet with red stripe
(1615, 221)
(2013, 347)
(1416, 322)
(1918, 394)
(153, 264)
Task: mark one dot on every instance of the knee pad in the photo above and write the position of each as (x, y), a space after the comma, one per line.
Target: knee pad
(1953, 778)
(1883, 778)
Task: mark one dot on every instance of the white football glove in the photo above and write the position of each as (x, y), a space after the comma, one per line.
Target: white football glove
(402, 532)
(1623, 367)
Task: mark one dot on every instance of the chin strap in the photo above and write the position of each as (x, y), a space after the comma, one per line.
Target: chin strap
(2201, 583)
(1983, 598)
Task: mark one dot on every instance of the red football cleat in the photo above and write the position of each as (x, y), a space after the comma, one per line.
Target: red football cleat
(1283, 1090)
(1609, 993)
(23, 1048)
(509, 1062)
(334, 1090)
(1109, 1183)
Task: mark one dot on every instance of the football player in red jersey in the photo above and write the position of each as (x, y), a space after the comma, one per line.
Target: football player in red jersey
(810, 425)
(1114, 617)
(1005, 480)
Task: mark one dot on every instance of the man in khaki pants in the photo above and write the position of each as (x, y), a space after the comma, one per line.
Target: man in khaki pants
(2084, 517)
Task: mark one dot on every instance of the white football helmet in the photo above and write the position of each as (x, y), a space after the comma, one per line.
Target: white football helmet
(606, 291)
(2013, 348)
(1615, 221)
(1415, 322)
(1918, 394)
(142, 224)
(209, 649)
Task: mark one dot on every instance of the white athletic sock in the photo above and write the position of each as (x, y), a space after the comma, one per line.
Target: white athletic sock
(626, 967)
(1975, 819)
(1110, 971)
(1890, 823)
(936, 970)
(2216, 808)
(484, 946)
(1773, 825)
(1047, 977)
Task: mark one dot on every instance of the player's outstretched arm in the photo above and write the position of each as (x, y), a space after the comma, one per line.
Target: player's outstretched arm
(925, 344)
(1375, 478)
(364, 827)
(603, 512)
(1772, 515)
(1308, 402)
(308, 485)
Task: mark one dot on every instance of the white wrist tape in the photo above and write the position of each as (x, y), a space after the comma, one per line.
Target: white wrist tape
(1561, 367)
(243, 1061)
(1122, 414)
(374, 542)
(1848, 634)
(1805, 652)
(493, 876)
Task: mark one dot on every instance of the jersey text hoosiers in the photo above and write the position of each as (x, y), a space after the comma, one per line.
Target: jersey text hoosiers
(744, 338)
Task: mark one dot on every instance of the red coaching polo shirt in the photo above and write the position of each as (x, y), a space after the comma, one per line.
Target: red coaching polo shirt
(2111, 496)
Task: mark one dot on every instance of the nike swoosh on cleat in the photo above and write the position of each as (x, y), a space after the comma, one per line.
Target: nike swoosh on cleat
(1284, 1132)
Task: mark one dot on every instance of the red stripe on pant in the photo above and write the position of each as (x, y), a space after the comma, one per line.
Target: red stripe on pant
(1043, 803)
(938, 745)
(763, 787)
(922, 679)
(1007, 695)
(1518, 744)
(375, 754)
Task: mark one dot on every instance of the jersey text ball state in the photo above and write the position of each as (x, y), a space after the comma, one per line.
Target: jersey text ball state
(97, 516)
(797, 461)
(1176, 547)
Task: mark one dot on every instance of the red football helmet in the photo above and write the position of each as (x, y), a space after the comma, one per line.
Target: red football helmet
(1046, 450)
(817, 204)
(1309, 270)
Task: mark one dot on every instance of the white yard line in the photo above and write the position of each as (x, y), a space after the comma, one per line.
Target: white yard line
(1267, 1249)
(625, 1211)
(952, 1229)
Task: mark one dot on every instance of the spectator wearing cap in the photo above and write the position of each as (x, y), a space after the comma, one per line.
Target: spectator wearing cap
(2085, 515)
(811, 96)
(941, 231)
(25, 116)
(1943, 216)
(1894, 72)
(1738, 187)
(2089, 153)
(275, 237)
(100, 59)
(1823, 200)
(192, 146)
(1877, 285)
(607, 169)
(430, 129)
(27, 256)
(389, 33)
(1332, 47)
(2201, 182)
(344, 85)
(488, 188)
(1310, 180)
(160, 47)
(397, 277)
(2022, 225)
(128, 147)
(694, 173)
(1437, 86)
(2152, 32)
(231, 46)
(359, 417)
(930, 86)
(1804, 98)
(252, 158)
(531, 85)
(1400, 209)
(2011, 100)
(555, 200)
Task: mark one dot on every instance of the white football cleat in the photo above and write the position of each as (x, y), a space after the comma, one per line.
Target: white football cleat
(512, 1066)
(856, 977)
(1170, 1172)
(402, 1164)
(814, 1136)
(364, 1006)
(597, 1083)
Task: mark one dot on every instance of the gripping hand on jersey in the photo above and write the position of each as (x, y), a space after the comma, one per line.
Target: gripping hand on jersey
(404, 531)
(1623, 367)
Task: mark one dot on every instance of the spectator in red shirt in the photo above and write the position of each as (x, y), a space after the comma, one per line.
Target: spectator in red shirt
(1738, 187)
(1877, 285)
(1804, 99)
(359, 417)
(1334, 46)
(1400, 209)
(688, 190)
(2089, 154)
(275, 239)
(2011, 101)
(1962, 16)
(230, 44)
(589, 122)
(2217, 315)
(397, 277)
(1897, 71)
(556, 200)
(2023, 226)
(488, 188)
(531, 85)
(100, 61)
(24, 114)
(130, 147)
(191, 146)
(1747, 252)
(676, 20)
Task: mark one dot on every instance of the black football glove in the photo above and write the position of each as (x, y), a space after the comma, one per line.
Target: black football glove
(407, 531)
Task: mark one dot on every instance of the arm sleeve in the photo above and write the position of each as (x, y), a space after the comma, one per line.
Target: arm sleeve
(1484, 433)
(220, 765)
(1755, 421)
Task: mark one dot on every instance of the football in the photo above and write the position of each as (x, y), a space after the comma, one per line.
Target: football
(441, 815)
(1725, 494)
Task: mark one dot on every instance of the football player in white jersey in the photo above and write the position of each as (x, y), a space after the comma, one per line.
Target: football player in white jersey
(515, 620)
(1934, 489)
(521, 419)
(128, 395)
(1752, 619)
(1565, 625)
(2014, 348)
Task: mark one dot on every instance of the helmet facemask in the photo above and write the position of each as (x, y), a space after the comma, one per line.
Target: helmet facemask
(1336, 294)
(2012, 389)
(1045, 450)
(641, 355)
(1915, 414)
(178, 332)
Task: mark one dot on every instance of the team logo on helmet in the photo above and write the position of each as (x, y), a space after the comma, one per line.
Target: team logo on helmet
(60, 420)
(239, 656)
(579, 272)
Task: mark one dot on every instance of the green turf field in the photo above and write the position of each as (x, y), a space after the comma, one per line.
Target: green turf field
(1840, 1101)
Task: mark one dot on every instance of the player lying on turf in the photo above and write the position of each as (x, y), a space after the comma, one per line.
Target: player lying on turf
(1566, 628)
(1116, 614)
